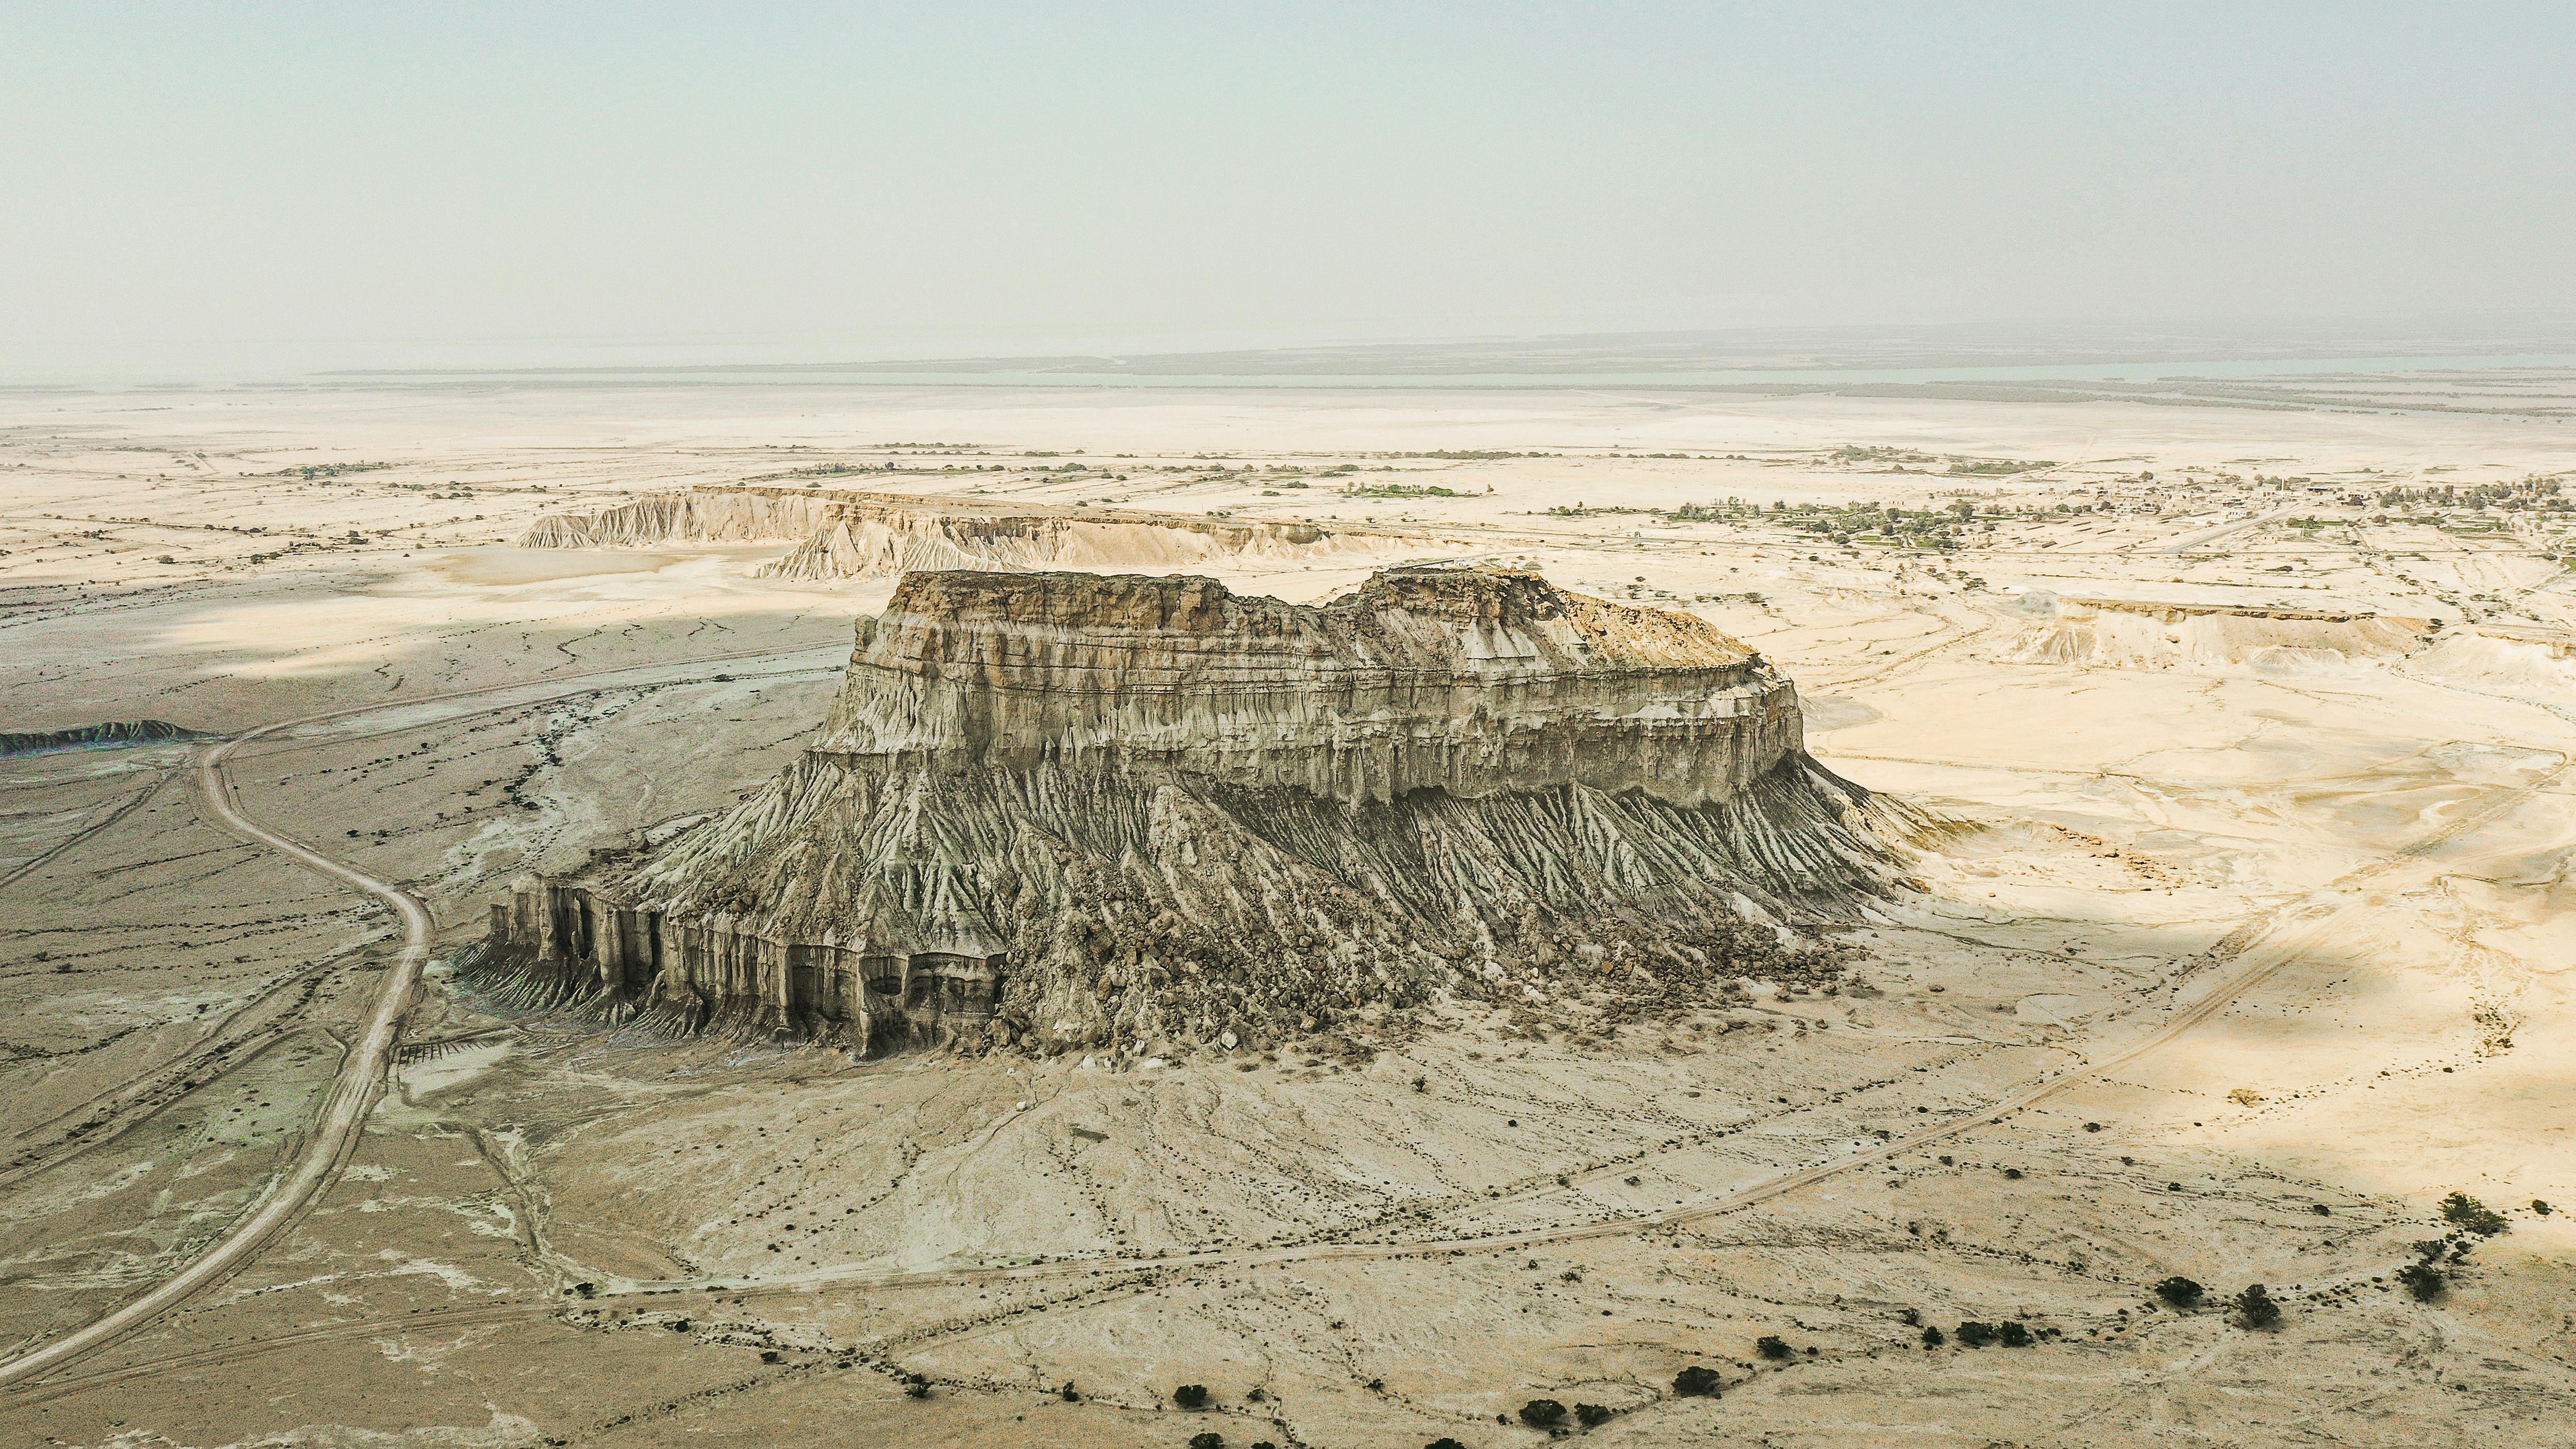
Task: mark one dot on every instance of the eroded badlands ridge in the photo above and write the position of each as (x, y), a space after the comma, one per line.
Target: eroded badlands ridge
(1069, 810)
(849, 535)
(2142, 634)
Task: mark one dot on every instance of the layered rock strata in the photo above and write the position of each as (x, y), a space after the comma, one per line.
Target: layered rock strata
(845, 535)
(111, 735)
(2142, 634)
(1144, 813)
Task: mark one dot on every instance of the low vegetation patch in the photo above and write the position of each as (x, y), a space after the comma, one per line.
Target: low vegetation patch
(1542, 1413)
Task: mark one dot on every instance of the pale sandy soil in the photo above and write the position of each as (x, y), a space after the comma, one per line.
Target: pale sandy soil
(2356, 866)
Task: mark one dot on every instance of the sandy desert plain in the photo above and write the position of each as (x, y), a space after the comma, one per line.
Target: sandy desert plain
(2251, 946)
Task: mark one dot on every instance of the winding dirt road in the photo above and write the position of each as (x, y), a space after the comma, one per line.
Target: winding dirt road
(353, 1091)
(344, 1111)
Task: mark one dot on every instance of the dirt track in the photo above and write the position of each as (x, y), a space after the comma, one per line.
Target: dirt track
(344, 1111)
(342, 1119)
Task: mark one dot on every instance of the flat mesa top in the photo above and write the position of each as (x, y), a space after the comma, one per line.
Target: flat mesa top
(1468, 616)
(969, 506)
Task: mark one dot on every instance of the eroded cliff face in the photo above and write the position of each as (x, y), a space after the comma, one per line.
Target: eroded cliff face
(1468, 681)
(849, 535)
(114, 734)
(695, 515)
(2139, 634)
(1140, 815)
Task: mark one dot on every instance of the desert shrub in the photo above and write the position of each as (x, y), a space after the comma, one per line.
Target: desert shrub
(1771, 1346)
(2181, 1292)
(1191, 1396)
(1696, 1381)
(1067, 1394)
(2013, 1335)
(2423, 1280)
(1590, 1414)
(1444, 1442)
(2255, 1308)
(1934, 1337)
(2470, 1215)
(1542, 1413)
(1975, 1334)
(1208, 1440)
(2541, 1208)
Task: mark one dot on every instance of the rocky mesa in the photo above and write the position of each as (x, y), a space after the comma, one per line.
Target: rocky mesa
(1143, 815)
(856, 535)
(2145, 634)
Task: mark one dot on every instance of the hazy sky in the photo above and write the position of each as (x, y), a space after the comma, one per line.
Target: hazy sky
(959, 175)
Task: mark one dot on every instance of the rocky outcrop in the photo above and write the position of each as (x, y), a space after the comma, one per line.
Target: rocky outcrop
(844, 535)
(2536, 663)
(695, 515)
(2139, 634)
(112, 735)
(1139, 814)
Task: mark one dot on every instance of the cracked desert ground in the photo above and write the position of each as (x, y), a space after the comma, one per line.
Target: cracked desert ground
(2250, 948)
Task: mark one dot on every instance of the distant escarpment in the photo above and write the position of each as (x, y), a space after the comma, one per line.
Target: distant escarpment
(841, 535)
(1137, 815)
(2516, 659)
(2139, 634)
(111, 735)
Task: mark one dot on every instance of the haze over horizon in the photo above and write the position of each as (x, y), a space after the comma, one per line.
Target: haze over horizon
(404, 184)
(1199, 727)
